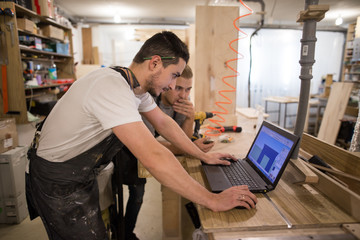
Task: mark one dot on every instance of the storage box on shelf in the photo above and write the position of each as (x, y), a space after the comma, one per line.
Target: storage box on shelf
(52, 32)
(43, 7)
(25, 24)
(28, 60)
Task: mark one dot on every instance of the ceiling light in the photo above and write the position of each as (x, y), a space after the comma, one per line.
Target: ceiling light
(339, 21)
(117, 18)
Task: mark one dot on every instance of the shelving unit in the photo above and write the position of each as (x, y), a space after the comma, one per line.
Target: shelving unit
(15, 58)
(351, 64)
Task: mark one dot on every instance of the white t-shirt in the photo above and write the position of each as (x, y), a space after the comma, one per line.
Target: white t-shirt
(84, 116)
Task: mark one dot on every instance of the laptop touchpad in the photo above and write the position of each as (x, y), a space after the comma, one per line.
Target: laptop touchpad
(217, 180)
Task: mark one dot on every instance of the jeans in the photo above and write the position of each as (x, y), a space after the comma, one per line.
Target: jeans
(136, 194)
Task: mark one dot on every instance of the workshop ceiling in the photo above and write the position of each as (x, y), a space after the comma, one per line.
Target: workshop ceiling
(278, 13)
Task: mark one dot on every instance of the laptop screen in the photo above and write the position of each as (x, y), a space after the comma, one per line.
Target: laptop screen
(269, 152)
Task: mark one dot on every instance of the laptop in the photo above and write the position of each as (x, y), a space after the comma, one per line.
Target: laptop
(263, 165)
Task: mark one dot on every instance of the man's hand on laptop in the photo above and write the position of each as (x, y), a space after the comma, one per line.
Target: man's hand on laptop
(238, 196)
(219, 158)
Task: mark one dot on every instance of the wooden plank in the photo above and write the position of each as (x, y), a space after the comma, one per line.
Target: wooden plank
(314, 12)
(235, 219)
(95, 55)
(214, 32)
(338, 158)
(357, 28)
(303, 205)
(308, 176)
(15, 85)
(250, 113)
(171, 214)
(334, 111)
(344, 198)
(87, 45)
(303, 233)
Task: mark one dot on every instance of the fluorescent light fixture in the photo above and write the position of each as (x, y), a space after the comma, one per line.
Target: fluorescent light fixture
(339, 21)
(117, 18)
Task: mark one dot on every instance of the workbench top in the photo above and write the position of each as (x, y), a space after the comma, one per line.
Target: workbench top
(302, 205)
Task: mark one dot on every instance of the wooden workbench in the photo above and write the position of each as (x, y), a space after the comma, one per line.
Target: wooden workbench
(305, 208)
(281, 100)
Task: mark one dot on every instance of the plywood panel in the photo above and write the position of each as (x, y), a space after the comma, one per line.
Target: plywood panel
(214, 32)
(13, 69)
(87, 45)
(334, 111)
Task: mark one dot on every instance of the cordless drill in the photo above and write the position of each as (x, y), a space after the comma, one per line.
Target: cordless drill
(199, 120)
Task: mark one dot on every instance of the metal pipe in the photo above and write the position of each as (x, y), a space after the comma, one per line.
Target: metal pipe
(252, 35)
(306, 61)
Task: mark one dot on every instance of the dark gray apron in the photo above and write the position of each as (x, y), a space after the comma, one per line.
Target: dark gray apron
(65, 194)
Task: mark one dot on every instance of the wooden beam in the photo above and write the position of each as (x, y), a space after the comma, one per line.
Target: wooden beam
(214, 32)
(87, 45)
(336, 157)
(343, 197)
(314, 12)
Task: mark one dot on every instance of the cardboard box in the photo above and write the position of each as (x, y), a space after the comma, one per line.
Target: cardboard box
(52, 32)
(12, 172)
(8, 134)
(13, 210)
(25, 24)
(44, 8)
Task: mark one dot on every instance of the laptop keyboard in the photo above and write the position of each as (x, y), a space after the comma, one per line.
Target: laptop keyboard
(237, 175)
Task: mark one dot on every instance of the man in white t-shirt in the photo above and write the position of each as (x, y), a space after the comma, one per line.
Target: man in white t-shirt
(101, 113)
(176, 104)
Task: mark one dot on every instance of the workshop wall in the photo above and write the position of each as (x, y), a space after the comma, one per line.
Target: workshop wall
(276, 55)
(275, 63)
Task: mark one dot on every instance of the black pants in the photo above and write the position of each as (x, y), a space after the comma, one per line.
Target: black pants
(136, 194)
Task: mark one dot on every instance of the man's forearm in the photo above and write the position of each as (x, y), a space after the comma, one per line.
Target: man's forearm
(171, 147)
(178, 138)
(188, 127)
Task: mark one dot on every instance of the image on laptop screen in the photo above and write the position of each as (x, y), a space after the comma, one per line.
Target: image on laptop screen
(269, 152)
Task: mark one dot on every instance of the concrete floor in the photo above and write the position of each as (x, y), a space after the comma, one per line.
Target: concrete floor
(149, 224)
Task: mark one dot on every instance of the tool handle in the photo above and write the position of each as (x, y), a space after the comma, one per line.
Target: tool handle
(230, 129)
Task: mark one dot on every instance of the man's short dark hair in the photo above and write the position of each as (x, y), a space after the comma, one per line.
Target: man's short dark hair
(165, 44)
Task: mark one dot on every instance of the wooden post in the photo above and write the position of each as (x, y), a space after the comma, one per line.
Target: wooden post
(214, 32)
(87, 45)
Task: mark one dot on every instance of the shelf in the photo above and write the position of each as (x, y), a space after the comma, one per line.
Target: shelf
(24, 12)
(47, 86)
(23, 32)
(349, 81)
(42, 59)
(18, 94)
(30, 50)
